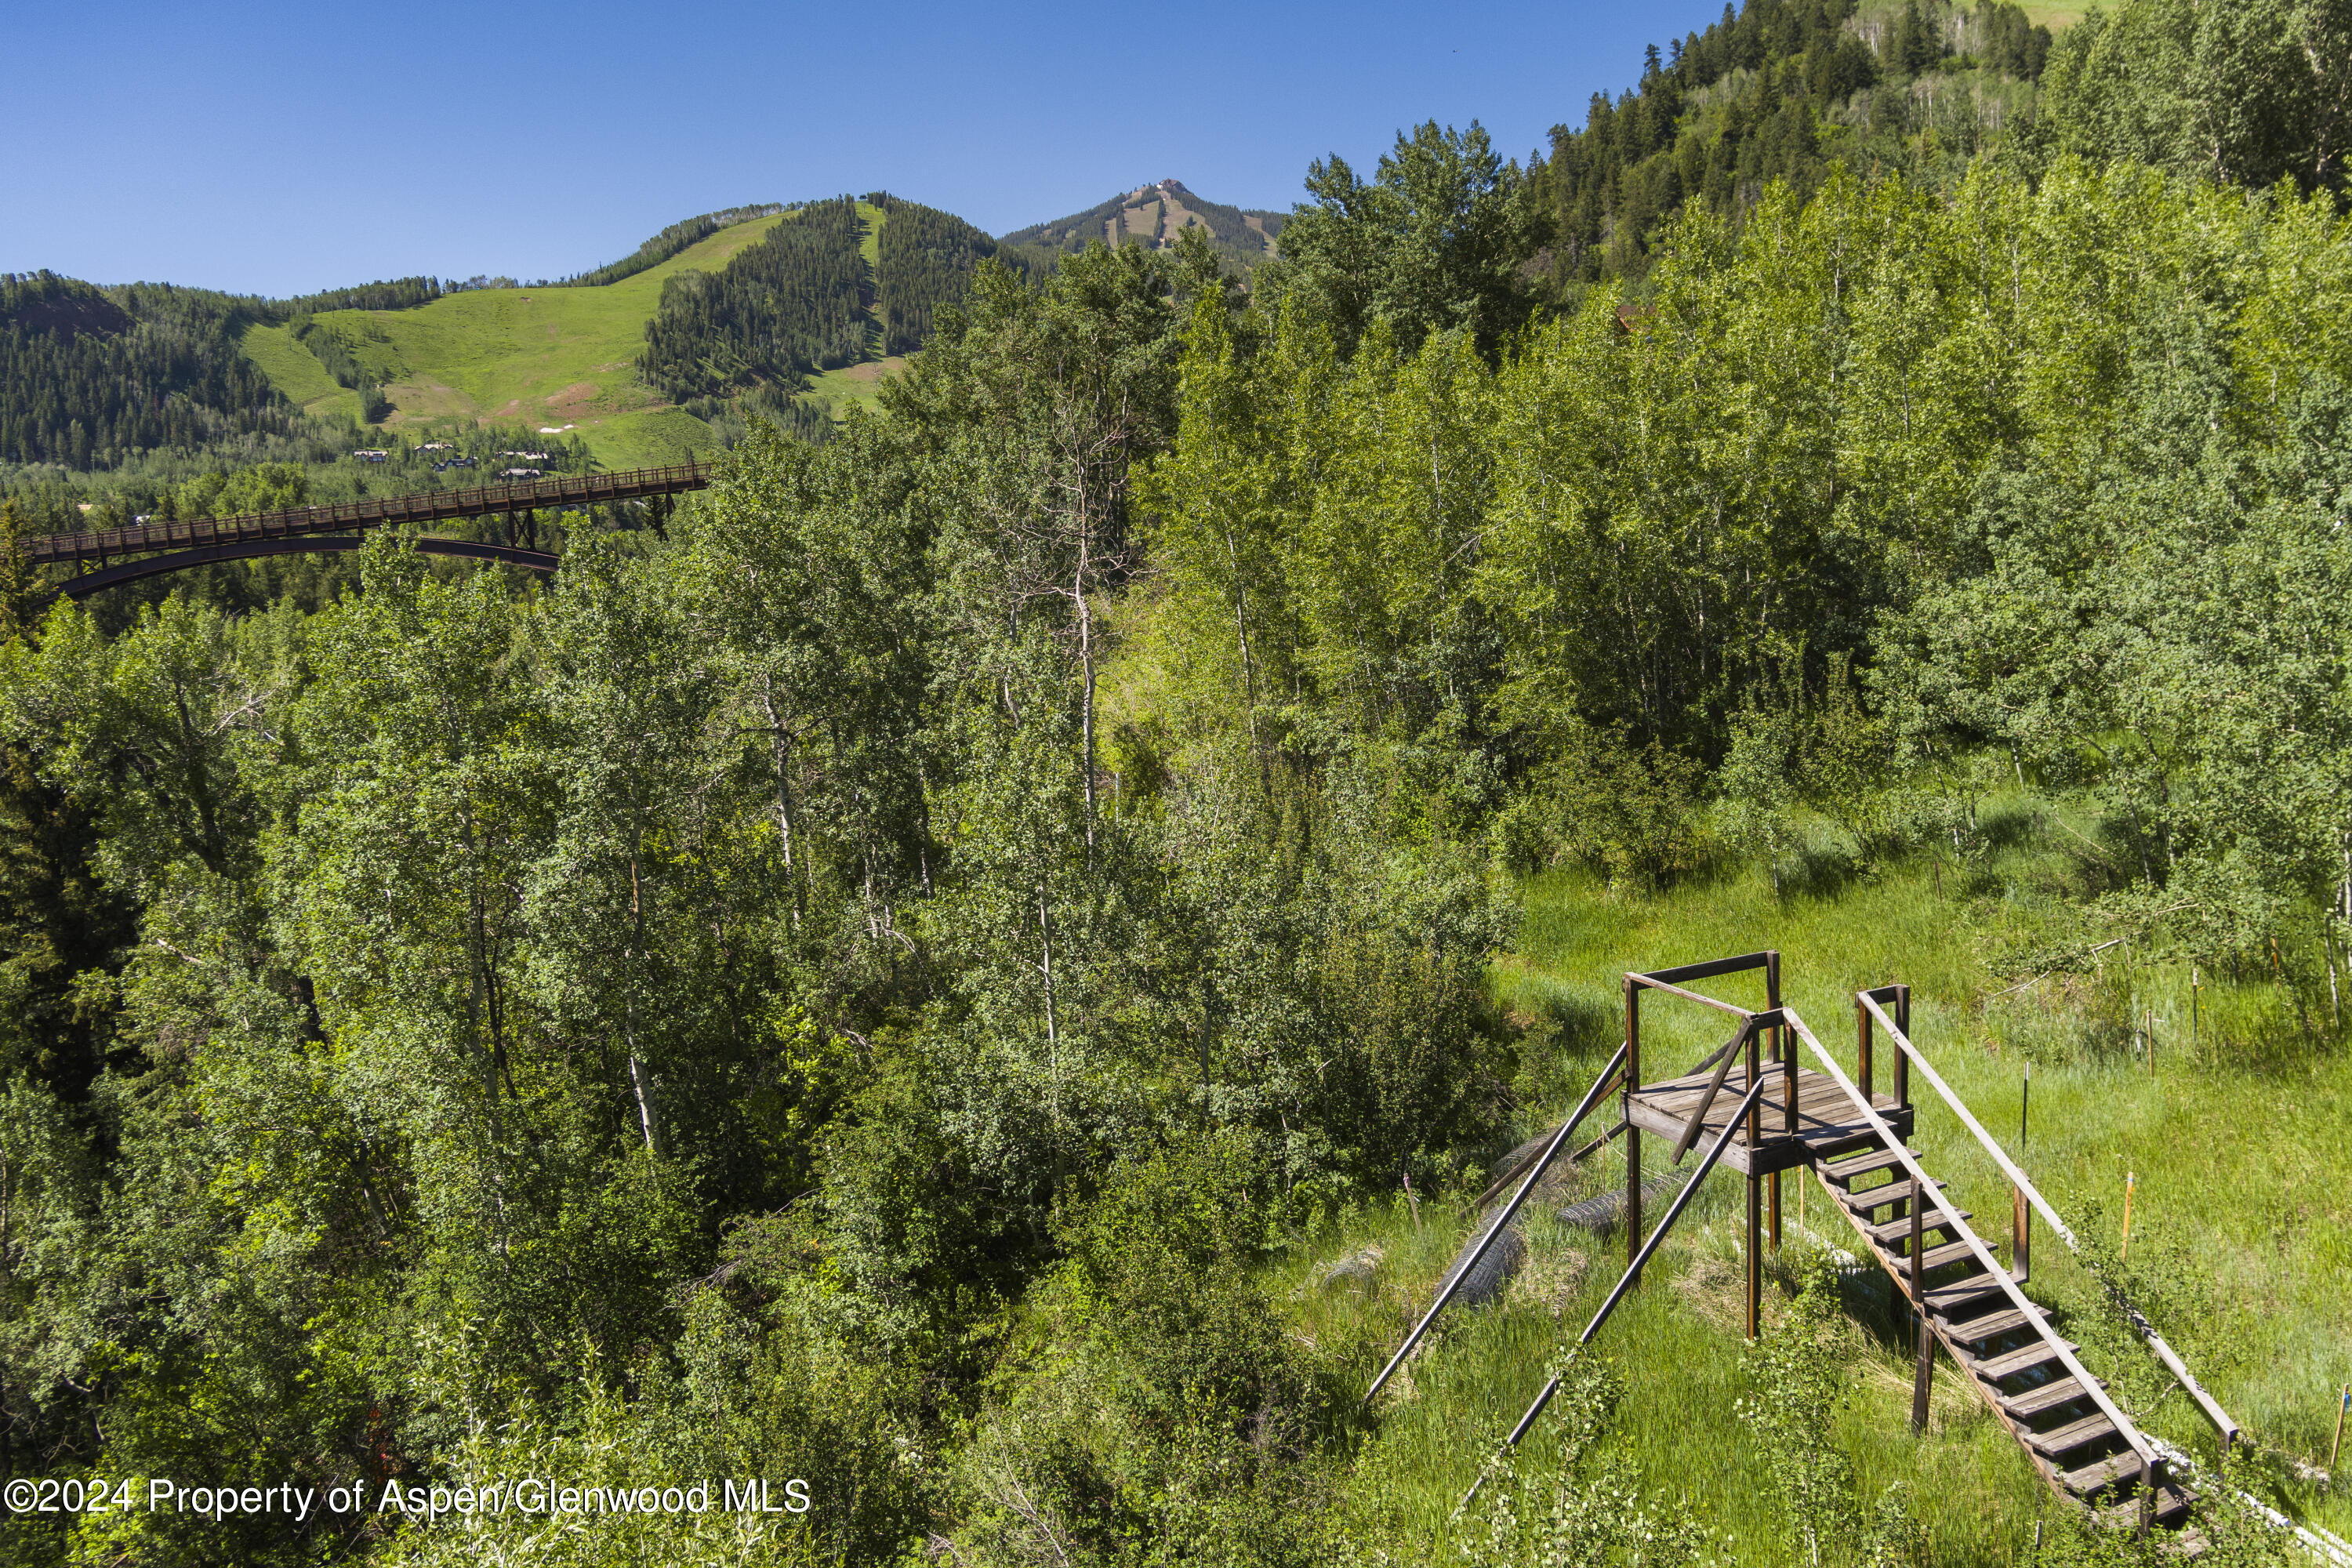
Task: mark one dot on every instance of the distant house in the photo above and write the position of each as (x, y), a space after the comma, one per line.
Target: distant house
(370, 455)
(436, 445)
(520, 473)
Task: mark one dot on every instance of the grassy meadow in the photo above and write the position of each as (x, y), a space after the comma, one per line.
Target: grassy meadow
(2241, 1229)
(546, 356)
(2055, 15)
(296, 371)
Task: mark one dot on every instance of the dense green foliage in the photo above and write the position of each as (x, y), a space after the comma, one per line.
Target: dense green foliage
(1437, 241)
(1875, 429)
(1783, 90)
(737, 346)
(2248, 94)
(88, 376)
(924, 261)
(789, 304)
(884, 974)
(778, 859)
(397, 294)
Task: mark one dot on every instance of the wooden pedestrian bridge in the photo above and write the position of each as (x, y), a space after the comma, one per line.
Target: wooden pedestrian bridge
(1755, 1107)
(110, 557)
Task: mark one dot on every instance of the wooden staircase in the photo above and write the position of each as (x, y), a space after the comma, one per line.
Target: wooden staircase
(1765, 1118)
(2020, 1366)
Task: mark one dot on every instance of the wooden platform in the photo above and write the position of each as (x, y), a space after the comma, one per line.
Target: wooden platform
(1827, 1124)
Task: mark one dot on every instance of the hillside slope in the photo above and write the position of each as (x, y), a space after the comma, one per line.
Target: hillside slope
(796, 312)
(548, 355)
(1782, 89)
(90, 375)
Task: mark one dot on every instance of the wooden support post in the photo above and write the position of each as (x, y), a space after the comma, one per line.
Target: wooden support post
(1632, 1133)
(1862, 1048)
(2021, 1236)
(2343, 1403)
(1918, 1234)
(1903, 1059)
(1922, 1373)
(1755, 1256)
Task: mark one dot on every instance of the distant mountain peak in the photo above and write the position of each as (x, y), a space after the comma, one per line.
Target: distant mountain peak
(1154, 214)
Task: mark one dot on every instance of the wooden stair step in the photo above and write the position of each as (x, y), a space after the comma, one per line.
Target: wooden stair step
(1899, 1228)
(2171, 1512)
(2075, 1434)
(2120, 1466)
(1991, 1325)
(1956, 1297)
(1936, 1257)
(2025, 1357)
(2049, 1396)
(1843, 1172)
(1879, 1197)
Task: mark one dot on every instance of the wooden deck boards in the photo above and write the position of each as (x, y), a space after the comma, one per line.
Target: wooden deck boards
(1827, 1124)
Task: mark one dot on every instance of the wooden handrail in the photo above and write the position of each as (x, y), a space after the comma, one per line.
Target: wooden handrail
(1651, 983)
(1922, 1184)
(2206, 1404)
(1708, 969)
(1730, 1053)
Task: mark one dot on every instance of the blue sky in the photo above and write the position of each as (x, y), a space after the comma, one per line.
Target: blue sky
(277, 148)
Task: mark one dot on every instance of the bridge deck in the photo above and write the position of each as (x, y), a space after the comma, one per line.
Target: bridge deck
(426, 506)
(1827, 1122)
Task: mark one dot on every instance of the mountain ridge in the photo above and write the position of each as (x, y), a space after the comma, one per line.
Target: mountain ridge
(1153, 213)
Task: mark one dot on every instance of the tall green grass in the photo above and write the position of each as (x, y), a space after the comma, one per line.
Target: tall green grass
(2235, 1134)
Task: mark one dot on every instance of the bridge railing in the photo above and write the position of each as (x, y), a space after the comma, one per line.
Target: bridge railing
(423, 506)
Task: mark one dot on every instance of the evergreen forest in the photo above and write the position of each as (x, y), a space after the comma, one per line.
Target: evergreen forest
(87, 374)
(923, 261)
(976, 971)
